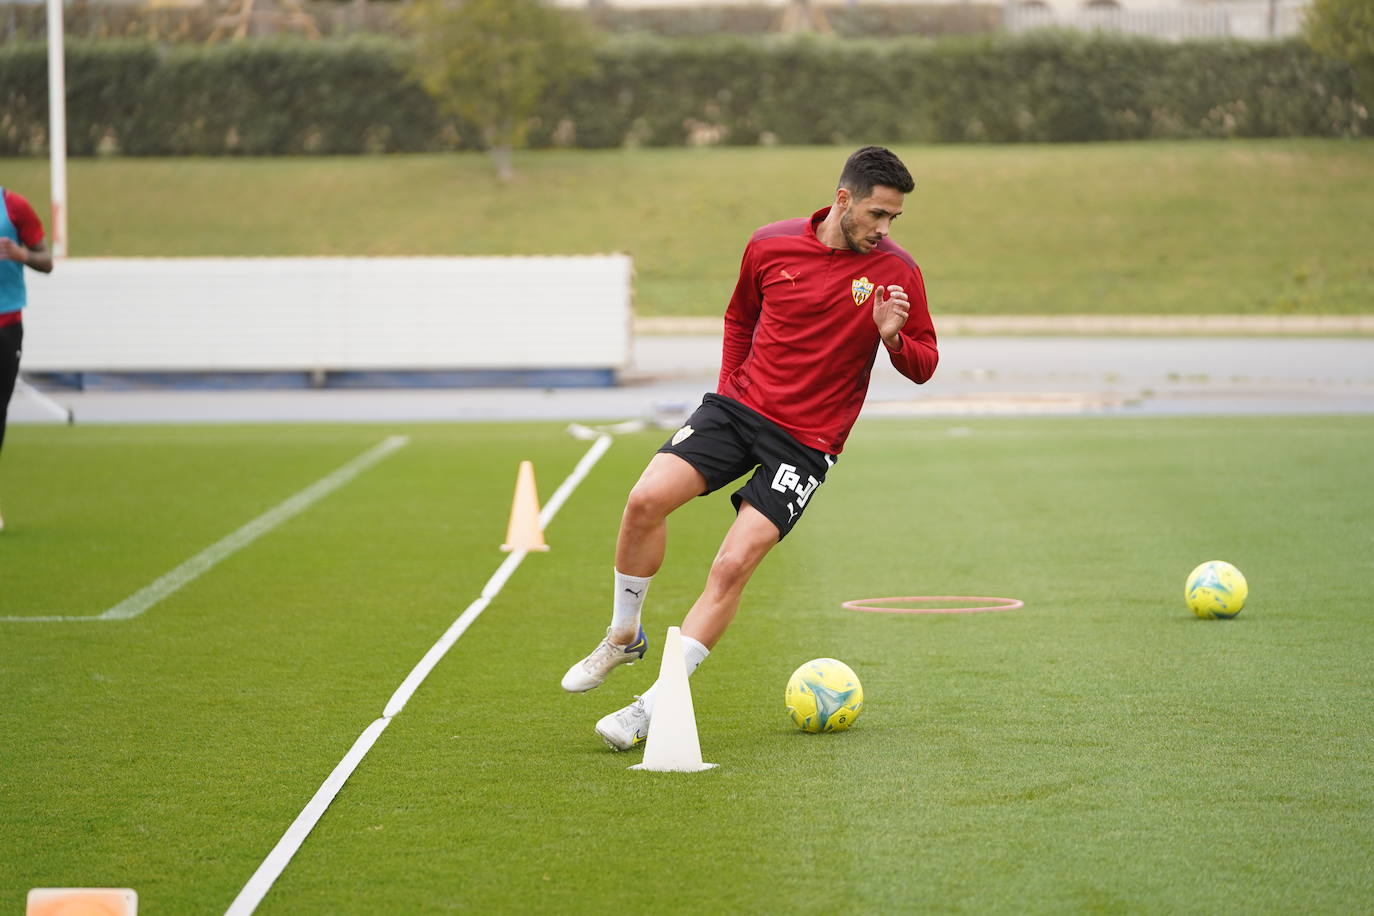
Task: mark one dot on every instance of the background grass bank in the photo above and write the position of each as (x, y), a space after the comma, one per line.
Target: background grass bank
(1234, 227)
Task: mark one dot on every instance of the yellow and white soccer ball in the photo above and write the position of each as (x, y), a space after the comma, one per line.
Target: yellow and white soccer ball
(1216, 589)
(824, 695)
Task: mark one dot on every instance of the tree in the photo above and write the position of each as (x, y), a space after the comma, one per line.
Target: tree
(491, 62)
(1344, 30)
(801, 16)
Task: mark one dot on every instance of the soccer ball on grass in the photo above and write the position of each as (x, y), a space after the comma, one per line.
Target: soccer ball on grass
(1216, 589)
(824, 695)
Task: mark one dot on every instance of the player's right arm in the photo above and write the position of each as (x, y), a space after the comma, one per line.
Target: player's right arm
(741, 315)
(36, 256)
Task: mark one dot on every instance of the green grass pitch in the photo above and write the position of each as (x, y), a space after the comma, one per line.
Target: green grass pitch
(1099, 751)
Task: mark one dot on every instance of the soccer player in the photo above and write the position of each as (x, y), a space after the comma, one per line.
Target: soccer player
(21, 245)
(817, 298)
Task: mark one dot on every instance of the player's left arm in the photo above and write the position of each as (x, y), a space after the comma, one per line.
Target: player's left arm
(903, 321)
(30, 250)
(741, 315)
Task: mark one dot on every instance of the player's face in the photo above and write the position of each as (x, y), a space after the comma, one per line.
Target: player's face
(867, 222)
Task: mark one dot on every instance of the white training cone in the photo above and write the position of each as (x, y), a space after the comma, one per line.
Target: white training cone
(672, 745)
(524, 531)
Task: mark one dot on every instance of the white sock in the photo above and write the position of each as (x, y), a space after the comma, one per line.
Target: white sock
(693, 653)
(629, 599)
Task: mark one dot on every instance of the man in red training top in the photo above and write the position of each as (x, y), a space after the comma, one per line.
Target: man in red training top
(817, 298)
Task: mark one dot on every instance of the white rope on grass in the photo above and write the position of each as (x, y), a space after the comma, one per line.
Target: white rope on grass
(271, 868)
(578, 474)
(267, 873)
(214, 554)
(217, 552)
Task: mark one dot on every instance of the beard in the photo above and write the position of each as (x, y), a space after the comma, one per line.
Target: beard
(852, 237)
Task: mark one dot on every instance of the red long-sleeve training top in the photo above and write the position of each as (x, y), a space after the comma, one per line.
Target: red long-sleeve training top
(799, 334)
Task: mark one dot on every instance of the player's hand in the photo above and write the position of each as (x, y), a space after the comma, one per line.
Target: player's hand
(10, 250)
(890, 308)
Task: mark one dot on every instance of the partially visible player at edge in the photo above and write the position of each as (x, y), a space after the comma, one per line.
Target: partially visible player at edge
(816, 298)
(21, 245)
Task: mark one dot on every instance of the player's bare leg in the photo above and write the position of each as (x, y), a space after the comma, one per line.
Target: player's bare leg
(667, 482)
(746, 544)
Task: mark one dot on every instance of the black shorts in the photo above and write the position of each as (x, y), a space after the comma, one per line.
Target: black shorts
(724, 440)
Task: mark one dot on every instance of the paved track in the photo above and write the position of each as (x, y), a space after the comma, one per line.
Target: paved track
(987, 375)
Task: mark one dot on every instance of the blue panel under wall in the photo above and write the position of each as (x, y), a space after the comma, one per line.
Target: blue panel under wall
(267, 381)
(476, 378)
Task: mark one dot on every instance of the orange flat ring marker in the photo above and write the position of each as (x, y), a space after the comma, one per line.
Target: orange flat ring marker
(876, 604)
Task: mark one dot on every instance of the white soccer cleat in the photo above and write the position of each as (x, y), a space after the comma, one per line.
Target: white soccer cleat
(625, 728)
(592, 670)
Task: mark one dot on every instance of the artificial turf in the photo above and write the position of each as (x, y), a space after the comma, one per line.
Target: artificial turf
(1099, 750)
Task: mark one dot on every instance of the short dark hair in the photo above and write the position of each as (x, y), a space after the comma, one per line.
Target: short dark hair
(872, 166)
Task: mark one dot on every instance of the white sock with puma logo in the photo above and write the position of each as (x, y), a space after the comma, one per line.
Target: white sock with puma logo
(629, 599)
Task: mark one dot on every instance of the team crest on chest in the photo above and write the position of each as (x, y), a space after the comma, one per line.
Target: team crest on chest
(862, 289)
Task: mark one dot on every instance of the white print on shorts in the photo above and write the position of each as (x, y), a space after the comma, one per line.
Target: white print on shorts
(787, 478)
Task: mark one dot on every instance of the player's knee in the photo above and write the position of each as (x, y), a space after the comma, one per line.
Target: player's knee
(645, 507)
(731, 569)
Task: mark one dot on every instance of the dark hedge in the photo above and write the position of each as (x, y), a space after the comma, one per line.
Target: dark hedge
(354, 95)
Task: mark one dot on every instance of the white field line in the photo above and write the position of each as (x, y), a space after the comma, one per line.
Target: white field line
(42, 400)
(151, 594)
(271, 868)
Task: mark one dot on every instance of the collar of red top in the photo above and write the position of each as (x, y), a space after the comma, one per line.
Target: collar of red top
(816, 219)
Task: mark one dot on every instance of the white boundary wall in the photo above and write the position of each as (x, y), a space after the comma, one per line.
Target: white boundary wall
(1165, 19)
(329, 314)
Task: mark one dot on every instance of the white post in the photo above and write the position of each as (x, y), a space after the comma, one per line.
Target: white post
(57, 127)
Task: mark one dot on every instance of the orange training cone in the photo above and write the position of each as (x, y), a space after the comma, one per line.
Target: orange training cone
(524, 531)
(82, 901)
